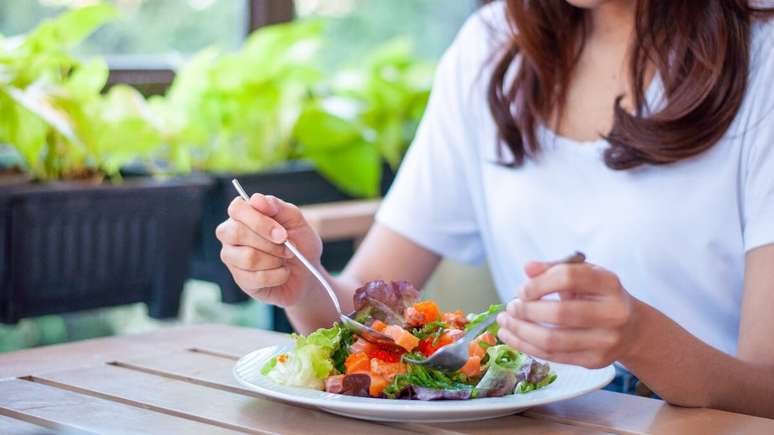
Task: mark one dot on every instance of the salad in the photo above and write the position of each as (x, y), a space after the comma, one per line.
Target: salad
(337, 361)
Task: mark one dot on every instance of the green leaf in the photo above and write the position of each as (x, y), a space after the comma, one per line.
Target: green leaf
(319, 131)
(478, 318)
(88, 78)
(356, 169)
(70, 28)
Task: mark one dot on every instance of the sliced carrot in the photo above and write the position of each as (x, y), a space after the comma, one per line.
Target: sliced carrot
(429, 311)
(472, 367)
(357, 362)
(378, 325)
(378, 384)
(387, 369)
(402, 337)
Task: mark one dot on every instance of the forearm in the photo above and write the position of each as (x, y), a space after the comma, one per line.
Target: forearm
(686, 371)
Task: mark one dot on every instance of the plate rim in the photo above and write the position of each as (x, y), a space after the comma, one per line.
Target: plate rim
(376, 406)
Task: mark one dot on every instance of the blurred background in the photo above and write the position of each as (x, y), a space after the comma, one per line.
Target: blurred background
(122, 123)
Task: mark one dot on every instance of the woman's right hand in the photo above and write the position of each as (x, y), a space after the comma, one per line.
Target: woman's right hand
(254, 253)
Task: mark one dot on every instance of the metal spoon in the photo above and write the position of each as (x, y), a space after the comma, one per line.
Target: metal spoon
(360, 329)
(453, 356)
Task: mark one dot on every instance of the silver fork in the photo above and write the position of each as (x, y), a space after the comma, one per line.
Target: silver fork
(453, 356)
(364, 331)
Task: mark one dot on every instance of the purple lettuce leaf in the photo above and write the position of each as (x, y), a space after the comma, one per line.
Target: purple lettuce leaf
(355, 384)
(423, 393)
(385, 301)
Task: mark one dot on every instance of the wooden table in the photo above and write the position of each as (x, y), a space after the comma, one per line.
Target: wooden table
(178, 381)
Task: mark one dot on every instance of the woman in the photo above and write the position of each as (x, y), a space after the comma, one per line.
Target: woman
(639, 132)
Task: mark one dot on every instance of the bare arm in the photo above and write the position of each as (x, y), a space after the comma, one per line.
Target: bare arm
(606, 324)
(384, 254)
(700, 375)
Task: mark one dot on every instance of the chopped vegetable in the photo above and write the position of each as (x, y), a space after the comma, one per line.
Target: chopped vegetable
(455, 319)
(356, 384)
(472, 368)
(422, 313)
(357, 362)
(309, 363)
(502, 372)
(385, 301)
(479, 345)
(402, 337)
(387, 369)
(378, 384)
(429, 329)
(478, 318)
(430, 345)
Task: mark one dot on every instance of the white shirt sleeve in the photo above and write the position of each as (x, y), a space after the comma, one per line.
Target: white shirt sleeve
(758, 207)
(430, 199)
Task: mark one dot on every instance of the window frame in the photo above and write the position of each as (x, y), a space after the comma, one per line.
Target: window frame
(155, 79)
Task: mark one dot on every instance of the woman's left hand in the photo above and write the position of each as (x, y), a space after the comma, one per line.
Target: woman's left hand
(594, 323)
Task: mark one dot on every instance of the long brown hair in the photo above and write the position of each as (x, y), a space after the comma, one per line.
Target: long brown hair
(701, 50)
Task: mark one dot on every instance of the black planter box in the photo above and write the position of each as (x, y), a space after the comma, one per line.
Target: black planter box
(296, 182)
(74, 246)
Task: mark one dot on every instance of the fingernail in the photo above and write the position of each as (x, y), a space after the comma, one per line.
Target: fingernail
(277, 235)
(501, 318)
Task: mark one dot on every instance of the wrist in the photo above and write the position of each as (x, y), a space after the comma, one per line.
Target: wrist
(639, 330)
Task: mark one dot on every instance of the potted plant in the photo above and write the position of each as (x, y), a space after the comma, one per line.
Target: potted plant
(267, 115)
(76, 237)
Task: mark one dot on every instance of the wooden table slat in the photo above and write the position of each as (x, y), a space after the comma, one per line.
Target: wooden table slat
(67, 409)
(10, 425)
(202, 403)
(606, 410)
(89, 352)
(215, 371)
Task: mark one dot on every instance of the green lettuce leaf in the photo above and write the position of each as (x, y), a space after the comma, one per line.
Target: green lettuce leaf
(480, 317)
(310, 361)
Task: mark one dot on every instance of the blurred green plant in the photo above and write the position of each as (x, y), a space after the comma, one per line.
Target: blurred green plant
(235, 112)
(51, 108)
(365, 115)
(244, 111)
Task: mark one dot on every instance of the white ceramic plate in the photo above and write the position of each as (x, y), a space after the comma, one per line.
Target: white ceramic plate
(572, 381)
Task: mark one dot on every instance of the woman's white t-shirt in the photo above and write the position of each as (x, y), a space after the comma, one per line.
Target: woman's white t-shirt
(676, 235)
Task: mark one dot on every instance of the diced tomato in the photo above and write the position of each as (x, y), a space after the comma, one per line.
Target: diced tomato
(388, 370)
(378, 325)
(385, 355)
(362, 345)
(429, 345)
(357, 362)
(476, 349)
(402, 337)
(472, 367)
(422, 313)
(378, 384)
(455, 319)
